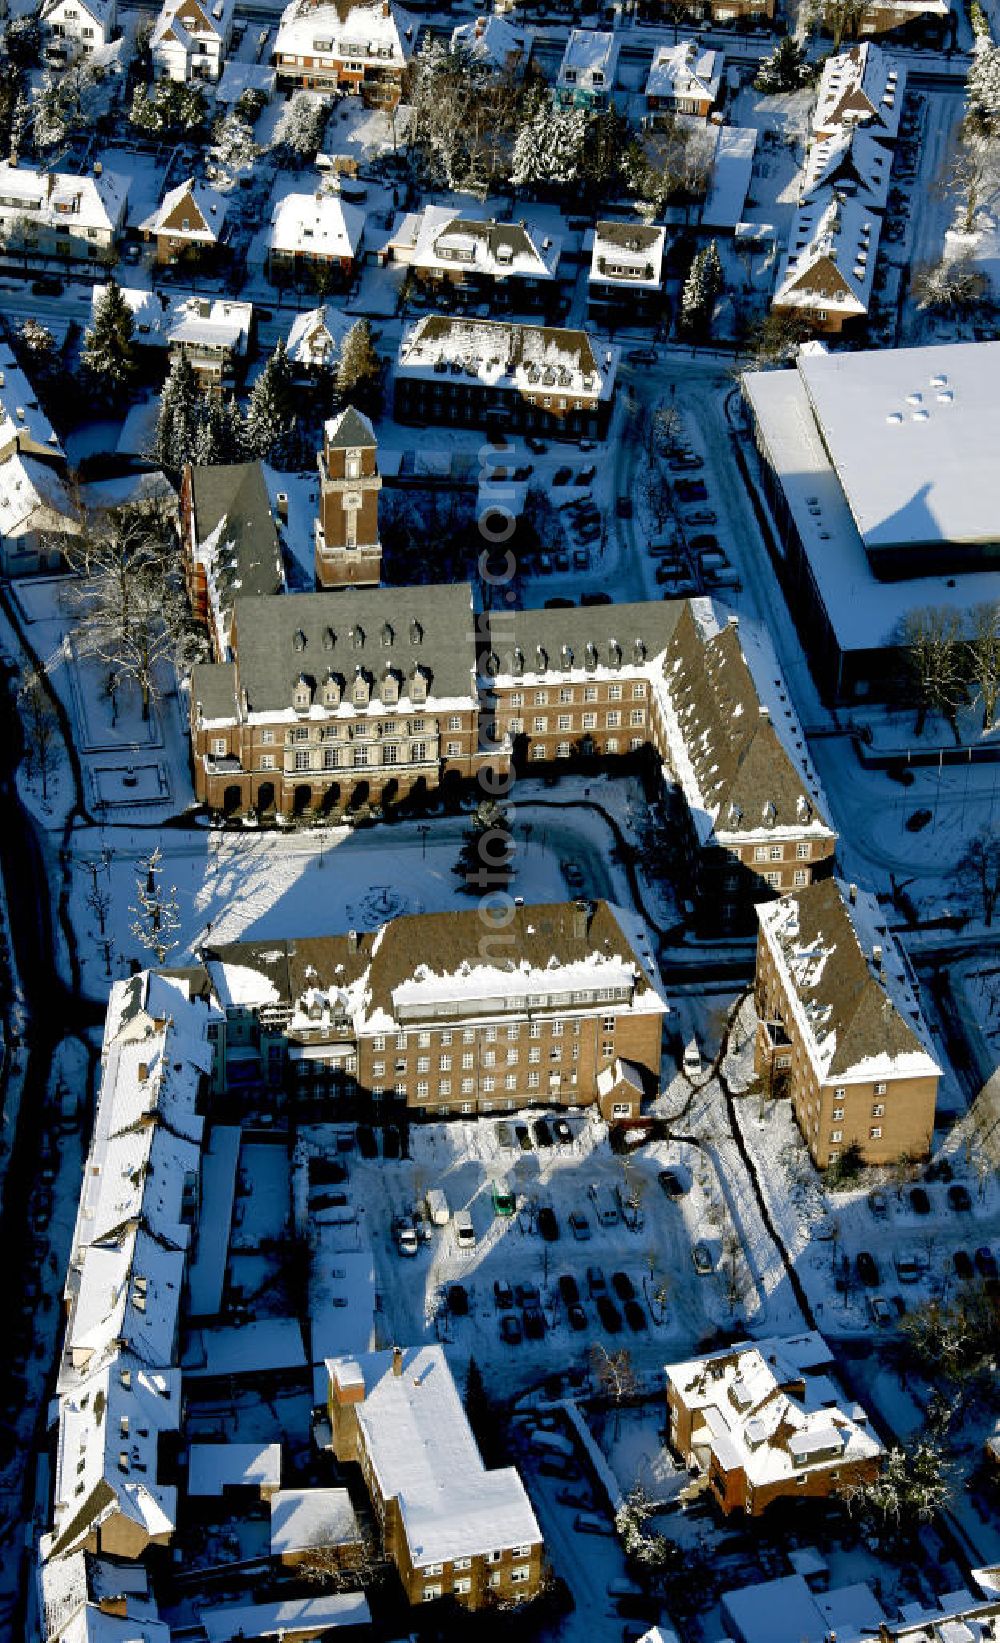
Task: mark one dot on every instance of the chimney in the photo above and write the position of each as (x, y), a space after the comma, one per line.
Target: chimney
(581, 919)
(732, 621)
(852, 894)
(352, 941)
(397, 1361)
(877, 958)
(143, 1071)
(765, 712)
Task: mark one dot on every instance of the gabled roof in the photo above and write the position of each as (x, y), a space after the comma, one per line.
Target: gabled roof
(494, 41)
(363, 30)
(61, 197)
(185, 21)
(102, 11)
(315, 337)
(447, 239)
(589, 52)
(862, 86)
(830, 261)
(348, 429)
(191, 202)
(852, 162)
(318, 225)
(236, 538)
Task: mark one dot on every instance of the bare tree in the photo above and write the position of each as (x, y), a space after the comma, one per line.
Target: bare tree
(951, 286)
(933, 655)
(99, 902)
(972, 175)
(41, 727)
(615, 1375)
(979, 870)
(984, 659)
(156, 914)
(840, 16)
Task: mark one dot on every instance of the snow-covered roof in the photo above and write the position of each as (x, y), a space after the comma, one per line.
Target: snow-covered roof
(851, 161)
(183, 22)
(93, 1625)
(447, 240)
(861, 86)
(58, 198)
(494, 41)
(24, 425)
(304, 1520)
(287, 1617)
(789, 1611)
(732, 171)
(627, 254)
(192, 211)
(315, 338)
(761, 1411)
(214, 323)
(34, 497)
(830, 260)
(81, 1579)
(847, 985)
(316, 225)
(213, 1467)
(421, 1450)
(685, 71)
(864, 613)
(528, 358)
(102, 11)
(370, 32)
(589, 61)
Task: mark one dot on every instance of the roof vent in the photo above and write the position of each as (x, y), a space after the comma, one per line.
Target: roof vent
(299, 639)
(329, 639)
(895, 417)
(921, 416)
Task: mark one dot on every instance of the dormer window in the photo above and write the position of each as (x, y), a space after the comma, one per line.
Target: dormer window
(566, 657)
(386, 635)
(590, 656)
(331, 691)
(361, 692)
(329, 639)
(418, 686)
(416, 633)
(302, 694)
(517, 661)
(541, 659)
(769, 814)
(639, 651)
(299, 639)
(358, 638)
(614, 654)
(389, 687)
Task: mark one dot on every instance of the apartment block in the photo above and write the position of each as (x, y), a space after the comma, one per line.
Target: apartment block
(840, 1028)
(451, 1528)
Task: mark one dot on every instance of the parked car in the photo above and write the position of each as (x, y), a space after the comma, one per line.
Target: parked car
(595, 599)
(916, 822)
(569, 1289)
(623, 507)
(367, 1145)
(596, 1284)
(511, 1332)
(920, 1201)
(867, 1269)
(879, 1311)
(702, 516)
(701, 1256)
(534, 1323)
(562, 1132)
(576, 1317)
(964, 1269)
(878, 1203)
(641, 356)
(704, 544)
(635, 1317)
(691, 490)
(548, 1226)
(586, 1523)
(527, 1295)
(986, 1262)
(523, 1137)
(609, 1314)
(623, 1286)
(579, 1226)
(458, 1300)
(958, 1197)
(586, 475)
(503, 1295)
(542, 1133)
(671, 1184)
(537, 445)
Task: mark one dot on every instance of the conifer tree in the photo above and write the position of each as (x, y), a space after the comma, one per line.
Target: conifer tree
(176, 422)
(485, 862)
(359, 370)
(271, 412)
(108, 350)
(702, 286)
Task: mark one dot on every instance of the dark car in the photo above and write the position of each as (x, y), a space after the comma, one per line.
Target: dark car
(510, 1329)
(704, 544)
(523, 1137)
(958, 1197)
(596, 1284)
(562, 1132)
(542, 1133)
(595, 599)
(458, 1300)
(920, 1201)
(691, 490)
(867, 1268)
(548, 1226)
(527, 1295)
(986, 1262)
(569, 1289)
(609, 1314)
(622, 1285)
(503, 1295)
(576, 1316)
(918, 821)
(367, 1145)
(623, 507)
(534, 1324)
(505, 1135)
(47, 286)
(537, 445)
(671, 1183)
(562, 476)
(635, 1317)
(963, 1266)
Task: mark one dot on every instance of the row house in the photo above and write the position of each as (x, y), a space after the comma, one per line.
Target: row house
(451, 1527)
(72, 29)
(587, 72)
(505, 377)
(229, 542)
(358, 49)
(840, 1027)
(683, 79)
(766, 1421)
(736, 12)
(37, 508)
(315, 232)
(472, 259)
(861, 88)
(191, 39)
(851, 162)
(339, 700)
(188, 223)
(828, 271)
(446, 1014)
(57, 214)
(625, 282)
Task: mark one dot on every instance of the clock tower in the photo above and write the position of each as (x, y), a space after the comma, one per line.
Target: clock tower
(348, 550)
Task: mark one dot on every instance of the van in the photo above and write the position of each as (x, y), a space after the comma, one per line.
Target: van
(504, 1202)
(605, 1205)
(437, 1208)
(465, 1232)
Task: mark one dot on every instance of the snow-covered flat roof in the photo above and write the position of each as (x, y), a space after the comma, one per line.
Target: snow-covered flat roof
(788, 1611)
(213, 1467)
(731, 175)
(295, 1616)
(307, 1519)
(913, 434)
(423, 1453)
(865, 614)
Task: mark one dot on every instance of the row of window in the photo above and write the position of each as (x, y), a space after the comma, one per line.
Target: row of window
(566, 693)
(564, 750)
(424, 1038)
(488, 1059)
(588, 721)
(487, 1085)
(776, 852)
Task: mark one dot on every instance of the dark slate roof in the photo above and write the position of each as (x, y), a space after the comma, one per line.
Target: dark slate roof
(213, 689)
(629, 236)
(249, 557)
(350, 429)
(863, 1016)
(650, 623)
(279, 640)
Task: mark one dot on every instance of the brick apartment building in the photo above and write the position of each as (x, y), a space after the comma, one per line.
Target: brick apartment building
(765, 1421)
(840, 1029)
(451, 1528)
(359, 49)
(447, 1014)
(348, 550)
(470, 259)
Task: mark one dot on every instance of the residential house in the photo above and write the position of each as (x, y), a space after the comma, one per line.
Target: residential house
(840, 1029)
(737, 12)
(340, 700)
(191, 38)
(188, 222)
(76, 28)
(766, 1420)
(496, 43)
(230, 544)
(214, 334)
(851, 162)
(359, 49)
(37, 508)
(926, 21)
(625, 284)
(683, 79)
(586, 76)
(473, 260)
(312, 1524)
(315, 232)
(860, 87)
(57, 214)
(797, 1609)
(828, 271)
(314, 341)
(505, 377)
(348, 549)
(449, 1015)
